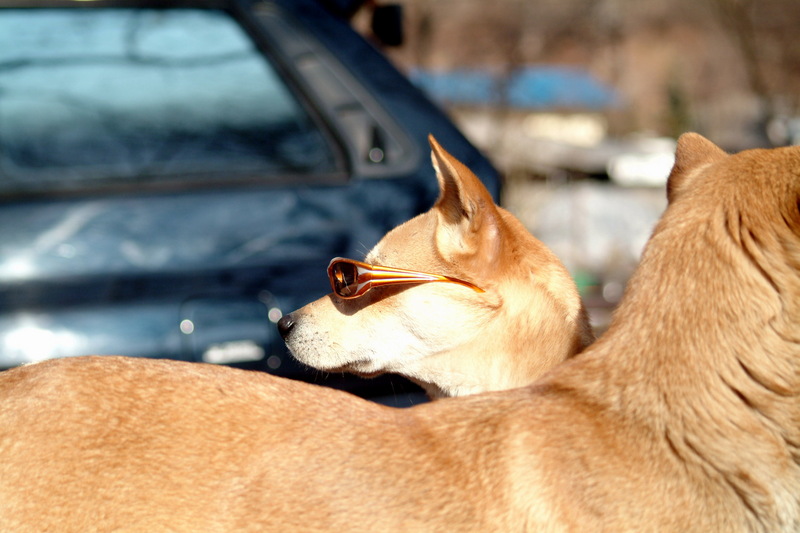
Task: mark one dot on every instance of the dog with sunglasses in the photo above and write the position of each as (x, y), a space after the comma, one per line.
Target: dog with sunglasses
(682, 417)
(461, 299)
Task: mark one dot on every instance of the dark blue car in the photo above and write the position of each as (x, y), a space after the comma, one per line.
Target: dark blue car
(175, 175)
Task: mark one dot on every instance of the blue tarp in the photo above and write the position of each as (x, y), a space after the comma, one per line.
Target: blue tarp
(543, 87)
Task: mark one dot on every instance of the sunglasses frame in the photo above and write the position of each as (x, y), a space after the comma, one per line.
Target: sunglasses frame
(370, 276)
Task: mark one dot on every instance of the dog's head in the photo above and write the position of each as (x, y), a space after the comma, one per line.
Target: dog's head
(743, 207)
(447, 337)
(721, 273)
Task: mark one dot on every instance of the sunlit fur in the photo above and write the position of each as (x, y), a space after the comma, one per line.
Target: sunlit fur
(684, 416)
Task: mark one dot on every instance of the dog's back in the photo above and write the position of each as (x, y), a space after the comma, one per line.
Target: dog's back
(108, 444)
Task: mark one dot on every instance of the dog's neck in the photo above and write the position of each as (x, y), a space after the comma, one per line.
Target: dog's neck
(525, 338)
(466, 372)
(723, 308)
(704, 352)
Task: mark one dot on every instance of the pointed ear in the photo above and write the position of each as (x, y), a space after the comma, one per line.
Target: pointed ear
(469, 223)
(693, 151)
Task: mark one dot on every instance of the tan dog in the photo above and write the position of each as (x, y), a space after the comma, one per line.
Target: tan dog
(685, 416)
(449, 339)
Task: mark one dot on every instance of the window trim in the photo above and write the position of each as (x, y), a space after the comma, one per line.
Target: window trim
(346, 105)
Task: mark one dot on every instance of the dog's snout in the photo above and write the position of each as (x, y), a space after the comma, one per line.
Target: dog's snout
(285, 325)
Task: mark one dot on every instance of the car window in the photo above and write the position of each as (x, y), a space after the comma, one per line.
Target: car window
(91, 96)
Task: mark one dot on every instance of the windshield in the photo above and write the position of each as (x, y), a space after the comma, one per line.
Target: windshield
(90, 96)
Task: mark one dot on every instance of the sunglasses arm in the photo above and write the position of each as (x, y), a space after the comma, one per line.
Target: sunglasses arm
(378, 275)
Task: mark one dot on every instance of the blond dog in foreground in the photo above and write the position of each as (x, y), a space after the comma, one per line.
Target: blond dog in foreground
(512, 313)
(685, 416)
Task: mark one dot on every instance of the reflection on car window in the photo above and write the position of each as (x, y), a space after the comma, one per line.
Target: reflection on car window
(90, 95)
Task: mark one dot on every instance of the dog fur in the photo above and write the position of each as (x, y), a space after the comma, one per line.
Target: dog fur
(447, 338)
(684, 416)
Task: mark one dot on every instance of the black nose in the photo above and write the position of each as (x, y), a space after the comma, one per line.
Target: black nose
(285, 325)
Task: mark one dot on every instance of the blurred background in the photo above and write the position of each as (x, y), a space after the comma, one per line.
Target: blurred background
(728, 68)
(579, 102)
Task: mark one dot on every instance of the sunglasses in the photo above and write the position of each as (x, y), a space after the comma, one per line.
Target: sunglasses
(351, 279)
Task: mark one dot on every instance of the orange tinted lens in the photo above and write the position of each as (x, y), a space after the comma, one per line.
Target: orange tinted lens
(345, 278)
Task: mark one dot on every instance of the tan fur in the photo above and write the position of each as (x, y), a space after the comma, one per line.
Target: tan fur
(448, 338)
(683, 417)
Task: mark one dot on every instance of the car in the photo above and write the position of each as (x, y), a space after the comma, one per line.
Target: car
(175, 175)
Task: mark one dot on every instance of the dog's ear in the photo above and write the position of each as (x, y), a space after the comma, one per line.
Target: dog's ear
(693, 151)
(468, 219)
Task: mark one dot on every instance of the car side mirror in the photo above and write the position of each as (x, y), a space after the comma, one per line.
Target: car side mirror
(387, 24)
